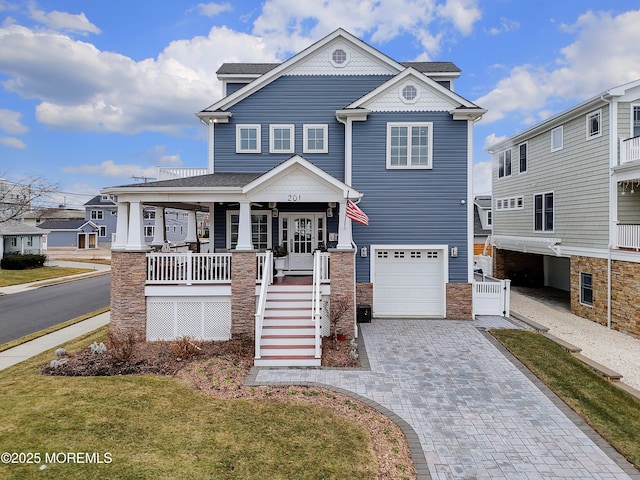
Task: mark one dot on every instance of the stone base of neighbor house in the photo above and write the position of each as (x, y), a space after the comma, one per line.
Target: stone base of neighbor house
(128, 301)
(459, 301)
(521, 268)
(625, 285)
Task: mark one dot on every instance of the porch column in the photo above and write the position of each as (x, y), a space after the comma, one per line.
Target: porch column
(135, 239)
(244, 227)
(212, 245)
(344, 229)
(192, 228)
(158, 231)
(122, 227)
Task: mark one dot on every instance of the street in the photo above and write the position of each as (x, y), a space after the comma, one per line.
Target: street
(29, 312)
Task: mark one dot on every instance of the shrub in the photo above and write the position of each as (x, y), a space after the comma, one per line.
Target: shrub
(17, 261)
(121, 345)
(185, 348)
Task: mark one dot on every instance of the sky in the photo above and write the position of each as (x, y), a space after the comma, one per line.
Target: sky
(95, 94)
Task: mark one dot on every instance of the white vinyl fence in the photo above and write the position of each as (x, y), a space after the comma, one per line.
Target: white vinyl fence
(491, 297)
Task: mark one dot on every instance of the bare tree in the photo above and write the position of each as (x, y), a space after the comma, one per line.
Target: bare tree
(27, 194)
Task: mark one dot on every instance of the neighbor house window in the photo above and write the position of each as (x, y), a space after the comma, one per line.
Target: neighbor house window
(315, 138)
(149, 214)
(635, 120)
(97, 214)
(149, 230)
(260, 229)
(586, 289)
(523, 148)
(594, 122)
(504, 163)
(557, 138)
(409, 145)
(281, 139)
(543, 212)
(102, 230)
(489, 218)
(248, 139)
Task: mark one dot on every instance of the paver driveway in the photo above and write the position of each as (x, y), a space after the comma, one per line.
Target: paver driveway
(468, 408)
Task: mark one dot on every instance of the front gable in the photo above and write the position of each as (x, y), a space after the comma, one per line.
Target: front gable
(298, 180)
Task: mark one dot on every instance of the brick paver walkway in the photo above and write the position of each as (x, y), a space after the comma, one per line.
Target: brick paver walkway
(467, 409)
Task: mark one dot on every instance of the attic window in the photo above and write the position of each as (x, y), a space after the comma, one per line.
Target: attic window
(409, 94)
(339, 57)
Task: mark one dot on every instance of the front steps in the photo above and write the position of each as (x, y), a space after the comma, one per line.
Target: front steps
(288, 333)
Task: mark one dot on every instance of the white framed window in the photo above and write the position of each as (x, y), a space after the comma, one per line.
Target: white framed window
(510, 203)
(409, 93)
(594, 124)
(409, 145)
(97, 214)
(281, 138)
(248, 139)
(543, 212)
(557, 138)
(149, 214)
(339, 57)
(102, 231)
(149, 230)
(504, 163)
(635, 120)
(586, 289)
(523, 153)
(315, 138)
(260, 229)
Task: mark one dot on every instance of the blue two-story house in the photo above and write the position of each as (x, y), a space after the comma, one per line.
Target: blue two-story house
(292, 146)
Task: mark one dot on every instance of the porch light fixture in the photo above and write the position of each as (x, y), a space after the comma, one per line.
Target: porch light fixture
(274, 212)
(454, 252)
(329, 212)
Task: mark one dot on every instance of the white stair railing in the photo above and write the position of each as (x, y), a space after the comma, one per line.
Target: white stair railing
(316, 311)
(267, 279)
(188, 268)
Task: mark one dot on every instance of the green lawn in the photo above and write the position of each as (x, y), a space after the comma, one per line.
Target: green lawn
(15, 277)
(155, 427)
(612, 412)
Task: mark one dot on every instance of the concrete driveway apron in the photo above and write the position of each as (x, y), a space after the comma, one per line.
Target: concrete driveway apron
(467, 409)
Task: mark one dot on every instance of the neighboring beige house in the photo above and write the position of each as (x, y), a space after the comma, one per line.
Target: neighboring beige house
(16, 237)
(566, 207)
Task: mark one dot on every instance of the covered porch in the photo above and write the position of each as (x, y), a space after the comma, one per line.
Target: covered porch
(626, 228)
(225, 287)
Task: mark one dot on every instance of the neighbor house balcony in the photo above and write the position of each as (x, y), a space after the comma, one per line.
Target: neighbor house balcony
(629, 150)
(173, 173)
(628, 237)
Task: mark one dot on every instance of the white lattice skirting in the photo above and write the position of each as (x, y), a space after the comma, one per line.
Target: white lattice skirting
(202, 318)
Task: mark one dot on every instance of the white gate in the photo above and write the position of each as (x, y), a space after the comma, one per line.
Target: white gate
(491, 298)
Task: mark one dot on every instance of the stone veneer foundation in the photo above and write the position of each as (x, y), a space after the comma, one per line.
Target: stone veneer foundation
(342, 271)
(459, 301)
(243, 294)
(128, 301)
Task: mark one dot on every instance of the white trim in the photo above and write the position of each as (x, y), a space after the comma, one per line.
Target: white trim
(409, 165)
(292, 138)
(470, 202)
(503, 154)
(345, 50)
(305, 137)
(401, 92)
(249, 126)
(527, 244)
(253, 212)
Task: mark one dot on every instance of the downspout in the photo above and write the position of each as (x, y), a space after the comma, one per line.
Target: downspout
(613, 146)
(348, 129)
(210, 124)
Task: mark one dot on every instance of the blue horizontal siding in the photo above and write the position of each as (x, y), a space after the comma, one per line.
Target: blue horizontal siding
(412, 206)
(298, 101)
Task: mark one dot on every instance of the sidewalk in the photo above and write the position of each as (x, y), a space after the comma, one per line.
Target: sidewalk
(34, 347)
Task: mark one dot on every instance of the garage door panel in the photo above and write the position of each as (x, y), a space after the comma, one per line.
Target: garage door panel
(408, 282)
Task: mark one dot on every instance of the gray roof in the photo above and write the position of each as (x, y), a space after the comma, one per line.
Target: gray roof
(62, 224)
(483, 201)
(14, 227)
(213, 180)
(262, 68)
(97, 200)
(477, 224)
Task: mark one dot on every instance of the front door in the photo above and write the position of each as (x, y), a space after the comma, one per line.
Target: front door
(302, 232)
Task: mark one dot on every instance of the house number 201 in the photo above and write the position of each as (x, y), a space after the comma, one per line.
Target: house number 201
(294, 197)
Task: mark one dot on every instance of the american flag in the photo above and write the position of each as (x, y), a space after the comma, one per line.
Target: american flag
(355, 214)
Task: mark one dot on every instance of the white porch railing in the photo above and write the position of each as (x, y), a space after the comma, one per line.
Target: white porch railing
(491, 298)
(188, 268)
(266, 277)
(629, 150)
(628, 236)
(320, 270)
(173, 173)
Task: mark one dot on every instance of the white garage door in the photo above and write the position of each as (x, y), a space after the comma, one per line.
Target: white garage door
(408, 283)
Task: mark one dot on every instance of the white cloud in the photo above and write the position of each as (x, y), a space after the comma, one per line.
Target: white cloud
(212, 9)
(158, 156)
(605, 53)
(12, 142)
(492, 139)
(109, 168)
(83, 88)
(10, 122)
(462, 13)
(482, 178)
(506, 25)
(64, 21)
